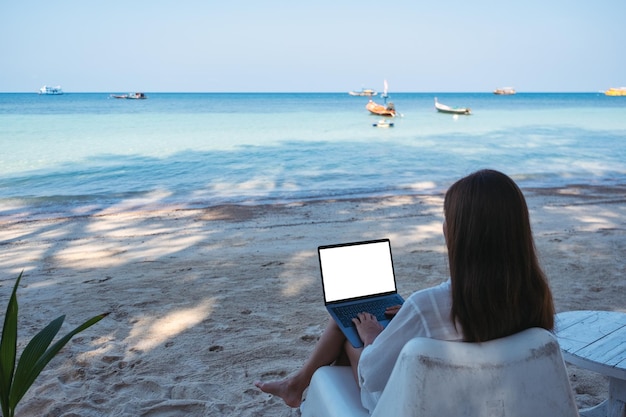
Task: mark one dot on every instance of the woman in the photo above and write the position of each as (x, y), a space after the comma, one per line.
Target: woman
(496, 288)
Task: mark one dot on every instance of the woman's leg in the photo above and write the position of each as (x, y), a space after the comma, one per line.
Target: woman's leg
(353, 354)
(327, 350)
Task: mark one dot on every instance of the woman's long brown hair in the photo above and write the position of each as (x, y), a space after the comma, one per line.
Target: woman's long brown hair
(498, 286)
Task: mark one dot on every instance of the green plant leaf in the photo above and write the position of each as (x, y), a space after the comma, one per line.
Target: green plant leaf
(26, 373)
(33, 352)
(8, 348)
(38, 345)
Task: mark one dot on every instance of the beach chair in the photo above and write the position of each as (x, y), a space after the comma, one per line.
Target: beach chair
(519, 375)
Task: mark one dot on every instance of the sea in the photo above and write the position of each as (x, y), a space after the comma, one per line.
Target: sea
(84, 153)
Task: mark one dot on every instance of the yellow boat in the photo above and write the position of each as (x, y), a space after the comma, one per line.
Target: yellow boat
(621, 91)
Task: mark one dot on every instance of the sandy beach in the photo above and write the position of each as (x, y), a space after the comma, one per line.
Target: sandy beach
(204, 302)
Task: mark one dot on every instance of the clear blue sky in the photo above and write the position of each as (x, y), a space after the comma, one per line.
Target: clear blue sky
(316, 46)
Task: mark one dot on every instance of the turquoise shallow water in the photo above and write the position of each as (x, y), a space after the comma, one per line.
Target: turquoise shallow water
(80, 153)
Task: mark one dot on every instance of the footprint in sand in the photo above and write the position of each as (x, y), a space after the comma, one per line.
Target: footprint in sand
(111, 358)
(309, 338)
(149, 389)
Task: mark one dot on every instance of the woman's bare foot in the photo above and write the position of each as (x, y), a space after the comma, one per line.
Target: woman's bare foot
(288, 389)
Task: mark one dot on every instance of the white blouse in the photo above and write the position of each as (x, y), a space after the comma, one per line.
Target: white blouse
(425, 313)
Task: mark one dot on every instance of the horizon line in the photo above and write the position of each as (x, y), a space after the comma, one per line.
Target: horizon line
(301, 92)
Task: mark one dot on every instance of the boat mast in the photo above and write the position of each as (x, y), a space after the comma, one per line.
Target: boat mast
(385, 90)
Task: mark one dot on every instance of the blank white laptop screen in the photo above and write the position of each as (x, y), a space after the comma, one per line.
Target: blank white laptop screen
(356, 270)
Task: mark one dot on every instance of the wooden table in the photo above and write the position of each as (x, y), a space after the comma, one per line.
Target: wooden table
(596, 340)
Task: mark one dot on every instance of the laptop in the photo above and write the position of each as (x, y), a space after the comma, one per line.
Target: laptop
(358, 277)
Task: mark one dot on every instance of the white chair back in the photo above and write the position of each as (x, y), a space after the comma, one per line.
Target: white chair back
(522, 375)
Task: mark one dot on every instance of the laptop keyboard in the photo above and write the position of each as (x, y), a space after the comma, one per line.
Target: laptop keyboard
(376, 307)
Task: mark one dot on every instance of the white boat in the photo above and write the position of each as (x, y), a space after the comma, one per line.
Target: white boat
(452, 110)
(365, 92)
(51, 91)
(383, 123)
(504, 91)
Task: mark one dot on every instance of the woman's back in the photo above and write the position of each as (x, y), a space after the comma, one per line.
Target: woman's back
(498, 287)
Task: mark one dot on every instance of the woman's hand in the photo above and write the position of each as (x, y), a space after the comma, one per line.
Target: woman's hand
(392, 311)
(368, 327)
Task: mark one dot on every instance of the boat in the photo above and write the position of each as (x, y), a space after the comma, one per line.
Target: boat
(452, 110)
(383, 123)
(365, 92)
(131, 96)
(620, 91)
(388, 110)
(50, 91)
(504, 91)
